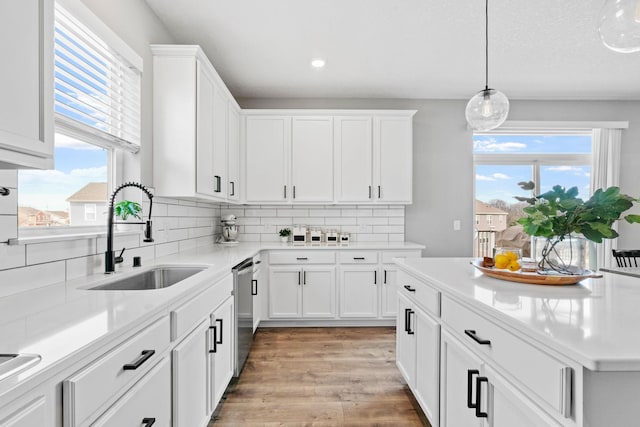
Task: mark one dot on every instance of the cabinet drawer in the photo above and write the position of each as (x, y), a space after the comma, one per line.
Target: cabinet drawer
(419, 292)
(358, 257)
(149, 399)
(302, 257)
(91, 388)
(546, 377)
(188, 315)
(388, 256)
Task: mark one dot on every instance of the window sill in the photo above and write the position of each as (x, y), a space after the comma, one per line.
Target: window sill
(25, 240)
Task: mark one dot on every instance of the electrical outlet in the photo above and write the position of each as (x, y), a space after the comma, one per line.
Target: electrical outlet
(456, 225)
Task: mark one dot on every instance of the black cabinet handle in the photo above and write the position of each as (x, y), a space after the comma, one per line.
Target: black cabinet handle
(302, 258)
(219, 321)
(285, 191)
(369, 191)
(406, 319)
(470, 374)
(479, 382)
(254, 287)
(299, 273)
(294, 191)
(148, 422)
(409, 330)
(379, 192)
(144, 356)
(233, 188)
(385, 277)
(218, 179)
(471, 333)
(304, 277)
(375, 277)
(358, 258)
(4, 191)
(409, 288)
(213, 330)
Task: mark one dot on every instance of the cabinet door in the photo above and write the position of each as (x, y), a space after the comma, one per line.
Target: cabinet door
(318, 292)
(147, 403)
(191, 373)
(312, 159)
(221, 353)
(459, 369)
(405, 342)
(285, 292)
(267, 158)
(393, 147)
(233, 150)
(389, 294)
(427, 371)
(510, 407)
(30, 415)
(359, 292)
(26, 105)
(219, 118)
(205, 183)
(353, 159)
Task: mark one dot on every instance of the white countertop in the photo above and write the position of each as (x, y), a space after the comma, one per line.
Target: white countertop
(64, 322)
(594, 323)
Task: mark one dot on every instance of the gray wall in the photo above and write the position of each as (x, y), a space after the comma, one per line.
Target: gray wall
(443, 160)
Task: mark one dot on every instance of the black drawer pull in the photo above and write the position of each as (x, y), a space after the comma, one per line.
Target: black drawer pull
(470, 374)
(479, 382)
(302, 258)
(144, 356)
(358, 258)
(254, 287)
(409, 288)
(148, 422)
(471, 333)
(409, 330)
(406, 319)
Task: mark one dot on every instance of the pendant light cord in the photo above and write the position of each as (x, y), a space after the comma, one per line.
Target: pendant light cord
(486, 45)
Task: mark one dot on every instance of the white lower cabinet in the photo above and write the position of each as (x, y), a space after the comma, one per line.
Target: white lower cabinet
(474, 394)
(221, 352)
(146, 404)
(389, 292)
(417, 355)
(31, 414)
(359, 291)
(302, 292)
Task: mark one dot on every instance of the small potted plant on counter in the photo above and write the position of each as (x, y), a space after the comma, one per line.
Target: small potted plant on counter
(563, 221)
(124, 210)
(284, 234)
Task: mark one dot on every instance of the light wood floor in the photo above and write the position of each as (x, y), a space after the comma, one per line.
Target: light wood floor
(320, 377)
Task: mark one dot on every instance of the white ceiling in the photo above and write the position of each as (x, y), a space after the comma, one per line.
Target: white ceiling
(538, 49)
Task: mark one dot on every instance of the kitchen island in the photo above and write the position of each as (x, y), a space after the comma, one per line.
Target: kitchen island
(548, 355)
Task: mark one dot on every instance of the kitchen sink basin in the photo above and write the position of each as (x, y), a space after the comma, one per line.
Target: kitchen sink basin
(11, 364)
(156, 278)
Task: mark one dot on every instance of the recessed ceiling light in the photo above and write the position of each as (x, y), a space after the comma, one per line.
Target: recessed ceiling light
(318, 63)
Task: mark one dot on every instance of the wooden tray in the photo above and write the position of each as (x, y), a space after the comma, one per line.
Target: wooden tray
(533, 278)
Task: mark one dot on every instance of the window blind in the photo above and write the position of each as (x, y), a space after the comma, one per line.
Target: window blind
(97, 92)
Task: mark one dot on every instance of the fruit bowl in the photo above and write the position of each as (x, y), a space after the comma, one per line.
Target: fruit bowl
(533, 278)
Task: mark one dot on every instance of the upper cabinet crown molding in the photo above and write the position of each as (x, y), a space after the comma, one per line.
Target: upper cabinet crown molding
(26, 105)
(327, 112)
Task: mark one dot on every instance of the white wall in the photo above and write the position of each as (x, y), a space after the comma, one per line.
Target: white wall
(443, 160)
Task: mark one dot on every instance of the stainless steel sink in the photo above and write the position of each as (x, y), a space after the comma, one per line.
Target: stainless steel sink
(11, 364)
(156, 278)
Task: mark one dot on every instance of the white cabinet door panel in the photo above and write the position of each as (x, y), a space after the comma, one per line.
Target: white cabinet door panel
(312, 159)
(222, 356)
(389, 294)
(359, 291)
(204, 132)
(318, 292)
(285, 292)
(405, 343)
(267, 145)
(219, 118)
(394, 144)
(354, 150)
(428, 366)
(233, 150)
(33, 414)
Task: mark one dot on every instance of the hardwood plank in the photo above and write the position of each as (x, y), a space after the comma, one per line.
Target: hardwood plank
(320, 377)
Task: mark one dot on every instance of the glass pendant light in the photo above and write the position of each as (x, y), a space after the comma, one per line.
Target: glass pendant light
(620, 25)
(489, 108)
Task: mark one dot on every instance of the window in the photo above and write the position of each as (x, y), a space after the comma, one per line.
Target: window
(97, 114)
(503, 159)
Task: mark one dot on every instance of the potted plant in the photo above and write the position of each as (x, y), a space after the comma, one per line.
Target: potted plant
(560, 216)
(127, 208)
(284, 234)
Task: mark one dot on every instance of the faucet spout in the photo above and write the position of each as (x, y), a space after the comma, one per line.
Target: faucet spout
(110, 260)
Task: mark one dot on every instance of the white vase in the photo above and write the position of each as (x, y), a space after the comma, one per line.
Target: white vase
(284, 239)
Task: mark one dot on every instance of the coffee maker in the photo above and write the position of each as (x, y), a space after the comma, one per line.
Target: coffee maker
(229, 230)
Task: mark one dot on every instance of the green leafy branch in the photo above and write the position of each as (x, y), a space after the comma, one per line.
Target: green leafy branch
(127, 208)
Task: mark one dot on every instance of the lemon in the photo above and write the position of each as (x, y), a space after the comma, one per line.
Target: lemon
(501, 261)
(511, 255)
(513, 266)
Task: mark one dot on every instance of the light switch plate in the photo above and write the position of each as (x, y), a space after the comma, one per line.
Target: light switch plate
(456, 225)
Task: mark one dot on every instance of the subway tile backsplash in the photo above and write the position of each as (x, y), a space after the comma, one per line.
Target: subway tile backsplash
(364, 223)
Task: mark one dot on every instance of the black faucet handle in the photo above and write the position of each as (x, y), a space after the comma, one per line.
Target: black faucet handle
(147, 232)
(119, 258)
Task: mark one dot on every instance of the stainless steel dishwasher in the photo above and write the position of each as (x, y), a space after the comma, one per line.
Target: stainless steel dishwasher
(242, 287)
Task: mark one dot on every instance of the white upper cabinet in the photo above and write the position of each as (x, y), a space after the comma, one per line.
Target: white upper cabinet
(328, 156)
(233, 152)
(312, 159)
(353, 159)
(26, 105)
(268, 142)
(393, 154)
(191, 114)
